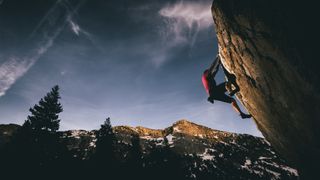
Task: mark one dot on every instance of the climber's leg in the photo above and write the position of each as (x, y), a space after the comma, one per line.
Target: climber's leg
(237, 108)
(218, 93)
(232, 79)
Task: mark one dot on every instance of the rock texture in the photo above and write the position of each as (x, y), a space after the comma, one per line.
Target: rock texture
(271, 47)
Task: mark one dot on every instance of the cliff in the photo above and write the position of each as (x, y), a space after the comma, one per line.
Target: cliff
(271, 47)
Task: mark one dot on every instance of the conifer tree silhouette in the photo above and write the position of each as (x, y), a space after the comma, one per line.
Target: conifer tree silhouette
(35, 147)
(45, 114)
(104, 158)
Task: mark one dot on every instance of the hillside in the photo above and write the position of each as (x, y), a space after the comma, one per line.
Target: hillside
(204, 151)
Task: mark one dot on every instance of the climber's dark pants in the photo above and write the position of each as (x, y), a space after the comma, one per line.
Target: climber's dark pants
(218, 93)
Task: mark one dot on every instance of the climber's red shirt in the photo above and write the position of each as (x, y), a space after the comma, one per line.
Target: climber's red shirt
(205, 81)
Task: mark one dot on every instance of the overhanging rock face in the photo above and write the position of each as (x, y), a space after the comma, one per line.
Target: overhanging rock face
(271, 48)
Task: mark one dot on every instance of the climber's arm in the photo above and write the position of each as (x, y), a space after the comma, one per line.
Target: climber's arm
(214, 66)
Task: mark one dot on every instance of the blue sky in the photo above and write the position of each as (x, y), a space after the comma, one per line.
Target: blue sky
(138, 62)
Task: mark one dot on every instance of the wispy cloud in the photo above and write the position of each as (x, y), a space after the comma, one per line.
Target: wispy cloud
(77, 30)
(47, 31)
(10, 71)
(182, 21)
(75, 27)
(185, 19)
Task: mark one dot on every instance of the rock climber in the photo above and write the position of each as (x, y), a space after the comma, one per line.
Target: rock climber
(217, 92)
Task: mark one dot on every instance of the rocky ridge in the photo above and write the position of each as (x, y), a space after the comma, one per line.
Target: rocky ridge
(219, 153)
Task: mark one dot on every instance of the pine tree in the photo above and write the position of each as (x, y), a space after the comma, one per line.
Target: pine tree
(105, 130)
(45, 114)
(136, 151)
(105, 141)
(36, 146)
(104, 158)
(134, 163)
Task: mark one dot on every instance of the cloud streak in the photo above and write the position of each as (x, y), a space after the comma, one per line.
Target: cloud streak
(185, 19)
(48, 29)
(75, 27)
(10, 71)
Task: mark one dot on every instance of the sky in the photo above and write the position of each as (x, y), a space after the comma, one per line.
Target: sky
(137, 62)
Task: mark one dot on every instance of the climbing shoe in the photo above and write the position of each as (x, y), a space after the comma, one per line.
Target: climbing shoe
(244, 116)
(233, 92)
(210, 99)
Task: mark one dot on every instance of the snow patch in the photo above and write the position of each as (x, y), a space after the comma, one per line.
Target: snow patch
(263, 158)
(207, 155)
(290, 170)
(176, 129)
(76, 134)
(200, 135)
(270, 164)
(224, 143)
(93, 143)
(246, 165)
(147, 137)
(267, 142)
(275, 174)
(159, 139)
(193, 176)
(170, 138)
(248, 162)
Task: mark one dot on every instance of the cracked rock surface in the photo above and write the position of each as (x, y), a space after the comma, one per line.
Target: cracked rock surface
(271, 48)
